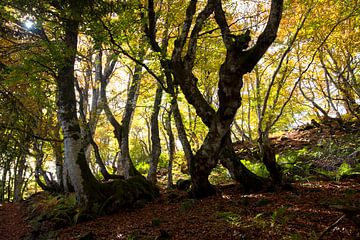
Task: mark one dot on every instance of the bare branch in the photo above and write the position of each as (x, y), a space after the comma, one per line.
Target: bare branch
(137, 61)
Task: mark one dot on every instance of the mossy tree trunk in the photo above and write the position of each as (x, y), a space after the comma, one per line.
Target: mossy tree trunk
(85, 185)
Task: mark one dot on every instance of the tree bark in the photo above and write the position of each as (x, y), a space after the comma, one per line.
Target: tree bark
(6, 170)
(171, 147)
(19, 178)
(181, 130)
(85, 185)
(249, 181)
(268, 158)
(125, 164)
(155, 137)
(57, 148)
(237, 63)
(49, 185)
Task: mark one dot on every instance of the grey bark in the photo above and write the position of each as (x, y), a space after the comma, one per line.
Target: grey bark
(6, 170)
(85, 185)
(125, 164)
(57, 148)
(19, 177)
(171, 148)
(237, 63)
(155, 136)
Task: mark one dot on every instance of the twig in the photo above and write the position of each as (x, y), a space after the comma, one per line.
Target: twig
(331, 226)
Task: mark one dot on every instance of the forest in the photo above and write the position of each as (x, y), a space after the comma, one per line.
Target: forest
(170, 119)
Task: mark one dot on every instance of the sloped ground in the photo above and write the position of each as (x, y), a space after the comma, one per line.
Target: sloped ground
(300, 214)
(303, 213)
(309, 211)
(12, 223)
(336, 143)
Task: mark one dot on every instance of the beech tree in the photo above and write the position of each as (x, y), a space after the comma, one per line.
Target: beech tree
(240, 59)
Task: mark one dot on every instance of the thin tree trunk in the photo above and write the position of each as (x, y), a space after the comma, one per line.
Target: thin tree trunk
(249, 181)
(171, 148)
(39, 172)
(6, 170)
(19, 178)
(181, 131)
(57, 148)
(155, 137)
(125, 164)
(268, 158)
(9, 187)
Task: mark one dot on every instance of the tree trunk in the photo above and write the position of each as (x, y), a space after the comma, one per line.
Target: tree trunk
(155, 138)
(238, 62)
(6, 170)
(181, 131)
(249, 181)
(125, 164)
(171, 148)
(85, 185)
(18, 181)
(87, 136)
(96, 107)
(57, 148)
(9, 187)
(268, 158)
(49, 185)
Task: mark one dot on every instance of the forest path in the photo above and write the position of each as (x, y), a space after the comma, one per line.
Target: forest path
(12, 221)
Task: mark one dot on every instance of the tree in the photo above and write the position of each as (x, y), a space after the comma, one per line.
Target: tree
(238, 62)
(58, 36)
(155, 138)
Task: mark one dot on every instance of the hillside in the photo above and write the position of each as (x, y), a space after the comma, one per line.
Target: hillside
(322, 205)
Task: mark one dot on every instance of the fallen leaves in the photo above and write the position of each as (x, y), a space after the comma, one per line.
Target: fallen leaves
(302, 213)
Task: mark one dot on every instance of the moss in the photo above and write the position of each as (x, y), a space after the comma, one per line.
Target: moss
(183, 184)
(127, 193)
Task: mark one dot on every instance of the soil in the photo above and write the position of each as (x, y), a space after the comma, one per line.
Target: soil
(305, 212)
(310, 210)
(12, 221)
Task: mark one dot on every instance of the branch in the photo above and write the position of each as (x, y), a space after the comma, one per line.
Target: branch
(203, 15)
(331, 226)
(123, 51)
(277, 70)
(221, 21)
(150, 30)
(181, 40)
(31, 134)
(267, 37)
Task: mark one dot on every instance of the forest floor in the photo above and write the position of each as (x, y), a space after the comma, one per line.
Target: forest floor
(303, 213)
(12, 221)
(311, 210)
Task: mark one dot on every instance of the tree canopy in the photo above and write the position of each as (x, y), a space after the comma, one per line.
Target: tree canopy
(100, 97)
